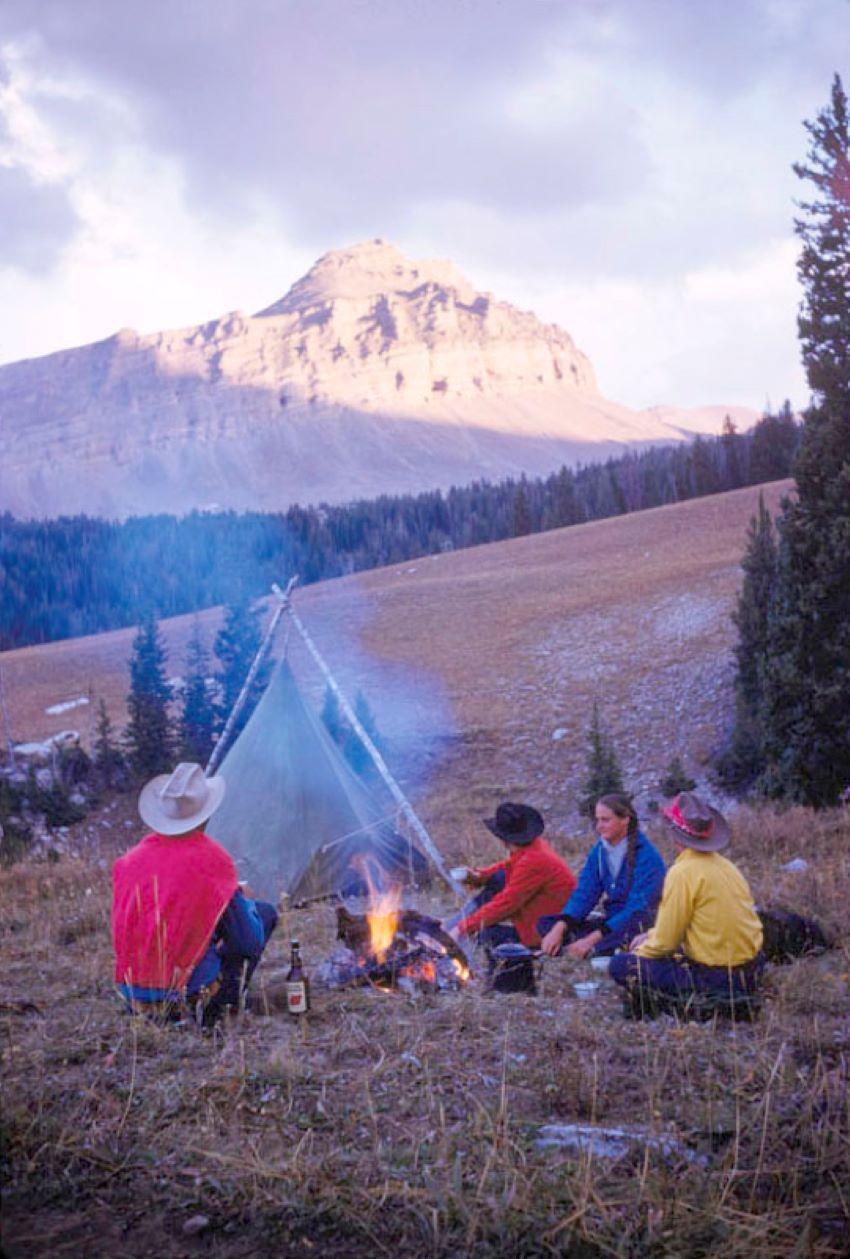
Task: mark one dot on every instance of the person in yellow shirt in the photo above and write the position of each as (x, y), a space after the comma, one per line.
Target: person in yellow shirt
(707, 936)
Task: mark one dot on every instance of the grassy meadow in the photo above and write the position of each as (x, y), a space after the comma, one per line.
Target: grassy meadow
(386, 1124)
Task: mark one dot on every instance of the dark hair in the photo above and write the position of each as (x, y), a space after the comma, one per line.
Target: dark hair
(621, 806)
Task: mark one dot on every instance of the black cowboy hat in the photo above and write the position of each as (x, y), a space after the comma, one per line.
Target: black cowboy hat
(515, 823)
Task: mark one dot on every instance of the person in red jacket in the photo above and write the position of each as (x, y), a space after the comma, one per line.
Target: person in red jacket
(183, 929)
(531, 882)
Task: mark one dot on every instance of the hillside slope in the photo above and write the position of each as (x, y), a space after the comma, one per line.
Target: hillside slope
(473, 661)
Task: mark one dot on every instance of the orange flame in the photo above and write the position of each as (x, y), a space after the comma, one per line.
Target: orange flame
(383, 913)
(383, 922)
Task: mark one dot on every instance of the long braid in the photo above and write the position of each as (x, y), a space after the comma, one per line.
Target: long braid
(631, 852)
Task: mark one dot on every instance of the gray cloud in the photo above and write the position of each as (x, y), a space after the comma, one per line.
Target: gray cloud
(349, 115)
(38, 221)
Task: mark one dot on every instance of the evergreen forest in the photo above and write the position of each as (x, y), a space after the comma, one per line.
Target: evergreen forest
(79, 575)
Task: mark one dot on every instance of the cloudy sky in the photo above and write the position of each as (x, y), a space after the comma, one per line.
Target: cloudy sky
(622, 167)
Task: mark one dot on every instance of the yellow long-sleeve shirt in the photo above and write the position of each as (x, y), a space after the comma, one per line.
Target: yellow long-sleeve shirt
(707, 910)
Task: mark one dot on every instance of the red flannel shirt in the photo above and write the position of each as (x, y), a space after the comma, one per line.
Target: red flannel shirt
(538, 882)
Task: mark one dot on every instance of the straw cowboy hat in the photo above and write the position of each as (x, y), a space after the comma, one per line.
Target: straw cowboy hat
(696, 824)
(515, 823)
(173, 804)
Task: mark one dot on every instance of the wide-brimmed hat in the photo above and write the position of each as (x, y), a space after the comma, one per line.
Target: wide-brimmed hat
(696, 824)
(172, 804)
(515, 823)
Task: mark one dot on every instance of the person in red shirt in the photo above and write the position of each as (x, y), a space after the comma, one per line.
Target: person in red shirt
(531, 882)
(184, 932)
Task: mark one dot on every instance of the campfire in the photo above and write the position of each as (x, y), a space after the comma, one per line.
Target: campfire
(393, 948)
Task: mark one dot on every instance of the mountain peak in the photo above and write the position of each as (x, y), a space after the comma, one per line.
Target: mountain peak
(368, 269)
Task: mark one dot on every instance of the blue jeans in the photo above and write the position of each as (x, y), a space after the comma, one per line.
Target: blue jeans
(234, 960)
(680, 978)
(500, 932)
(609, 943)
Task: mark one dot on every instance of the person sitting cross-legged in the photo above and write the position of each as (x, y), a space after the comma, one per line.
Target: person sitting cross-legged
(618, 889)
(707, 937)
(183, 929)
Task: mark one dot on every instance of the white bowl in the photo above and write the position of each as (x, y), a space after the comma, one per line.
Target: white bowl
(588, 989)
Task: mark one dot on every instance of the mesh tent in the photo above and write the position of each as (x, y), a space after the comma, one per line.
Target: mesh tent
(296, 818)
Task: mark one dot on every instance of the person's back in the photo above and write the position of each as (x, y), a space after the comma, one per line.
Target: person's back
(706, 912)
(182, 928)
(709, 897)
(168, 894)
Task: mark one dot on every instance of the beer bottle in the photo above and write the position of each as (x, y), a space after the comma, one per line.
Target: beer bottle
(297, 984)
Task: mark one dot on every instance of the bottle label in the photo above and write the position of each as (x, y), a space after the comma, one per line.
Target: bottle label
(296, 997)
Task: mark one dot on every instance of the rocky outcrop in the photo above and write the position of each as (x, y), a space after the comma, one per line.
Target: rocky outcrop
(373, 374)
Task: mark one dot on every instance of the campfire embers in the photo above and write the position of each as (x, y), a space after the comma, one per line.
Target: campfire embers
(394, 948)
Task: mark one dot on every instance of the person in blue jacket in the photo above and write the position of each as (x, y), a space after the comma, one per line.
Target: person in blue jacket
(621, 881)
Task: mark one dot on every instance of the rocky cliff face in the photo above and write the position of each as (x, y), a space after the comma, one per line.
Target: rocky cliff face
(373, 374)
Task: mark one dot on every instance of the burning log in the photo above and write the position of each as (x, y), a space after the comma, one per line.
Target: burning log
(395, 948)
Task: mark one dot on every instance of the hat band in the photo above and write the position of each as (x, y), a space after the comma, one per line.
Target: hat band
(181, 806)
(674, 813)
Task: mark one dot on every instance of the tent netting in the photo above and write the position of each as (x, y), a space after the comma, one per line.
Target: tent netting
(296, 818)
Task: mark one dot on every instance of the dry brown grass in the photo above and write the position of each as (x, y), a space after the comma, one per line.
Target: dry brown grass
(384, 1124)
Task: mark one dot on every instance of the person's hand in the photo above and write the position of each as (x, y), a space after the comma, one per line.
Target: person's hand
(581, 948)
(552, 941)
(638, 940)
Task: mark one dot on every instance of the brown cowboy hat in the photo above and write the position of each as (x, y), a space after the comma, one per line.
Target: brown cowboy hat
(696, 824)
(515, 823)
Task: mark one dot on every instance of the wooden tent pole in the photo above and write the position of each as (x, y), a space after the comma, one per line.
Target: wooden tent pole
(380, 764)
(283, 598)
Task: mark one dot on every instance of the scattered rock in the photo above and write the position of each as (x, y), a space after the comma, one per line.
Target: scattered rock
(197, 1224)
(797, 866)
(609, 1142)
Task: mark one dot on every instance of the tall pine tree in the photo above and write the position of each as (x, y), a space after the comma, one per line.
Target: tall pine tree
(754, 602)
(149, 735)
(197, 718)
(603, 768)
(236, 645)
(110, 769)
(806, 699)
(742, 760)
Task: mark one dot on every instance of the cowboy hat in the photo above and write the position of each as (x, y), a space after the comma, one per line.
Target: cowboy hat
(696, 824)
(173, 804)
(515, 823)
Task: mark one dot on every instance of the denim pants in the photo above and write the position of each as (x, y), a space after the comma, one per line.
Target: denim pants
(680, 978)
(500, 932)
(236, 967)
(606, 947)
